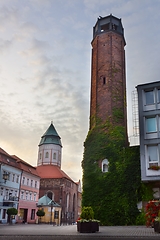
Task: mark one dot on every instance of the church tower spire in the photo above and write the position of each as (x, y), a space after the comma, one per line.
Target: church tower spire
(50, 148)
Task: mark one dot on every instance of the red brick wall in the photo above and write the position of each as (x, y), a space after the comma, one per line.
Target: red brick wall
(108, 64)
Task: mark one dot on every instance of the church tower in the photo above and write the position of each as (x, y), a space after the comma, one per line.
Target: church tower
(50, 148)
(108, 80)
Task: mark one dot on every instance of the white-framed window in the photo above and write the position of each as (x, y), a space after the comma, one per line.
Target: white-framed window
(27, 181)
(35, 196)
(105, 164)
(149, 97)
(153, 155)
(40, 156)
(22, 195)
(13, 177)
(17, 179)
(54, 155)
(30, 196)
(31, 183)
(1, 191)
(46, 155)
(23, 180)
(158, 95)
(151, 124)
(26, 195)
(35, 184)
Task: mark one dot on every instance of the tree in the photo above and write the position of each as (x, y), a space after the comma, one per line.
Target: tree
(40, 213)
(11, 212)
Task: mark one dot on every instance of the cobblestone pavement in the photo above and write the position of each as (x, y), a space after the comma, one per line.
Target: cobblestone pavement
(49, 232)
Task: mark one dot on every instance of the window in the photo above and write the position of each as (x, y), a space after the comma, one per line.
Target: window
(17, 179)
(33, 214)
(104, 80)
(1, 191)
(54, 156)
(151, 125)
(46, 155)
(22, 195)
(158, 93)
(153, 155)
(27, 181)
(23, 180)
(35, 184)
(40, 155)
(26, 195)
(13, 177)
(30, 196)
(149, 97)
(31, 183)
(56, 214)
(105, 164)
(34, 196)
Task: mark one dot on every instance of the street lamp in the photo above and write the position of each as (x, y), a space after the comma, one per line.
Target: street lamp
(5, 176)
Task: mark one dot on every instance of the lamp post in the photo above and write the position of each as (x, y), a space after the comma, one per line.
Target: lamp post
(5, 176)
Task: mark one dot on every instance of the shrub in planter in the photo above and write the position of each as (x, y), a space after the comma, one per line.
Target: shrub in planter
(11, 213)
(87, 223)
(40, 213)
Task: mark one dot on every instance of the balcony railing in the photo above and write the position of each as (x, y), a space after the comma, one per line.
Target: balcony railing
(10, 199)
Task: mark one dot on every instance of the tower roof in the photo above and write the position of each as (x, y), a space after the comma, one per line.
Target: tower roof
(51, 137)
(107, 24)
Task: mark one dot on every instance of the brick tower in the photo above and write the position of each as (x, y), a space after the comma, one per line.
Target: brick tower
(108, 81)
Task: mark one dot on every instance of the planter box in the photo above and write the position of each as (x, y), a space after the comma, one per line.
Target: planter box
(156, 226)
(87, 227)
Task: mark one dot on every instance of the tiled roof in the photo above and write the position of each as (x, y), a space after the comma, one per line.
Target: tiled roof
(51, 137)
(25, 166)
(46, 201)
(51, 171)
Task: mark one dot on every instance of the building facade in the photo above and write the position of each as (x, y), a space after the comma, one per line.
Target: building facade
(149, 126)
(10, 177)
(29, 192)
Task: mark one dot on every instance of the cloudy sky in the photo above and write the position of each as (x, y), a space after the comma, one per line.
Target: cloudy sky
(45, 61)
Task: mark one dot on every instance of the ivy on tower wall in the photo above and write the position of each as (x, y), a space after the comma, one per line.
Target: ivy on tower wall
(113, 195)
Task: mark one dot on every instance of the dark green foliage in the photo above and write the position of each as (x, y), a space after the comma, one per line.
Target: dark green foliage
(112, 195)
(40, 213)
(141, 219)
(87, 213)
(12, 211)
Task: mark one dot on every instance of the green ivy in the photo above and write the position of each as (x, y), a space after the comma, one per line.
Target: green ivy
(112, 195)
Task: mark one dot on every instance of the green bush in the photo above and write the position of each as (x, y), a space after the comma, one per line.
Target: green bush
(141, 219)
(87, 213)
(12, 211)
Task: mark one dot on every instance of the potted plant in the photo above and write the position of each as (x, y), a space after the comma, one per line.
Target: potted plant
(40, 213)
(87, 223)
(11, 213)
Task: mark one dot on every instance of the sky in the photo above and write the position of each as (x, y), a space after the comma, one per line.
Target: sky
(45, 69)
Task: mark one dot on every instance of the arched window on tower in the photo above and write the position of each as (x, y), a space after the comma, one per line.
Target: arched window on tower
(47, 155)
(50, 195)
(105, 164)
(54, 155)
